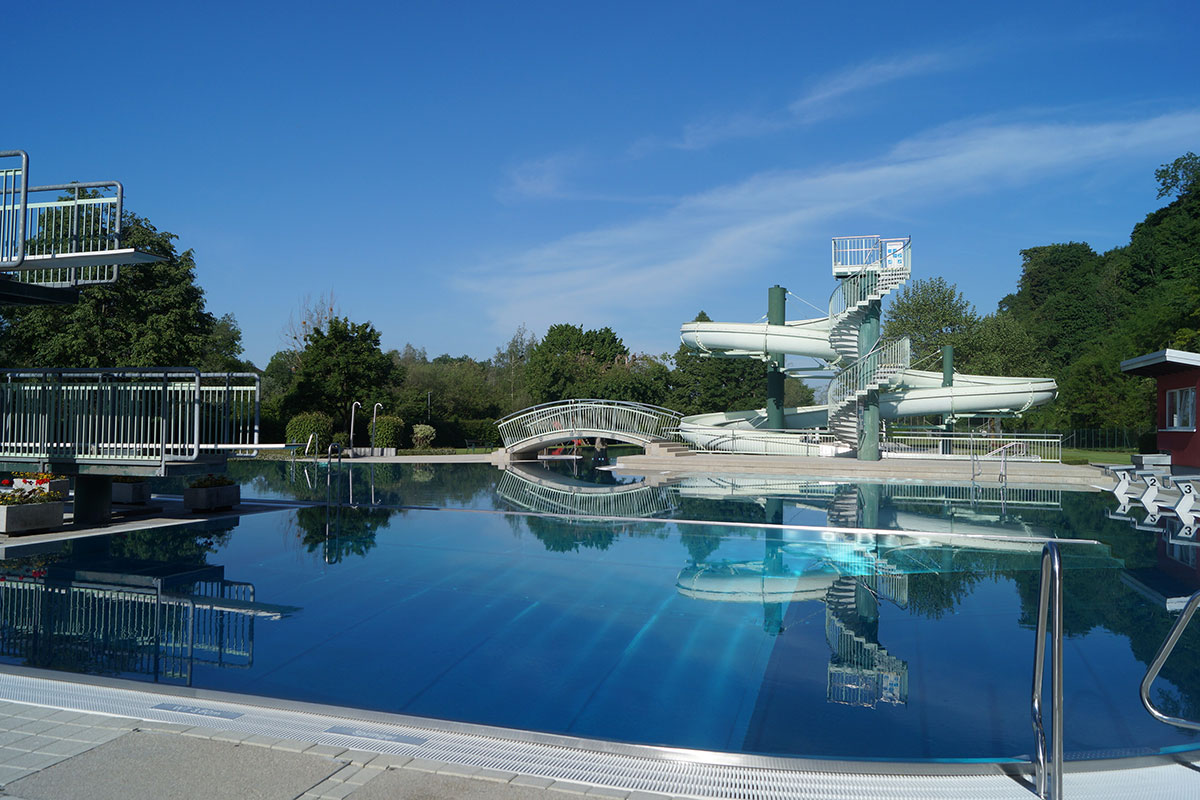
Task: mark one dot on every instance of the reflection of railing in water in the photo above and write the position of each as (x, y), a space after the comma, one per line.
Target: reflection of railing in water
(130, 629)
(546, 497)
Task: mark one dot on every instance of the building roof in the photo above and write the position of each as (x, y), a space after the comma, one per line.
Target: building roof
(1164, 362)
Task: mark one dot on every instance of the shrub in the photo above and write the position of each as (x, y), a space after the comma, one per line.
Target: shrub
(389, 431)
(301, 426)
(210, 481)
(341, 439)
(422, 436)
(482, 431)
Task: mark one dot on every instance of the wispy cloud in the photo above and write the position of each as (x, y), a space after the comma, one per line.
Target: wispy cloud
(702, 243)
(819, 102)
(540, 177)
(553, 178)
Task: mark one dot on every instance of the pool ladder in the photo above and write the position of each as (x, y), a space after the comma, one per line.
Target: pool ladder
(1048, 778)
(1050, 604)
(1164, 652)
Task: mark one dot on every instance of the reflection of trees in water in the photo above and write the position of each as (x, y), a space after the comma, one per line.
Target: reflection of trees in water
(395, 484)
(341, 532)
(187, 546)
(566, 535)
(701, 541)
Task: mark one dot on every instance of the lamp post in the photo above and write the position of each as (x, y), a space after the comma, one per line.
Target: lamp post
(374, 415)
(355, 405)
(428, 405)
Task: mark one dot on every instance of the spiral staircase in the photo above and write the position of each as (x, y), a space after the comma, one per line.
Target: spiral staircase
(861, 672)
(870, 268)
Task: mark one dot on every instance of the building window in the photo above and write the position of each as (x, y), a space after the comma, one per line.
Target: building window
(1181, 409)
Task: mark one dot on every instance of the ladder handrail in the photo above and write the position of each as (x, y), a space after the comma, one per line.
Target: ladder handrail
(1164, 652)
(1050, 604)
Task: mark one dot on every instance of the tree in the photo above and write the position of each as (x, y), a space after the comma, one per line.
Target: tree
(152, 316)
(932, 313)
(703, 384)
(568, 361)
(1180, 177)
(340, 364)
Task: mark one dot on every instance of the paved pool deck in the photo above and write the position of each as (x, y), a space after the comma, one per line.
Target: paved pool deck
(52, 749)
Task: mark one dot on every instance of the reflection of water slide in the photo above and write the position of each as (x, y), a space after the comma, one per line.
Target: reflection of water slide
(869, 268)
(963, 510)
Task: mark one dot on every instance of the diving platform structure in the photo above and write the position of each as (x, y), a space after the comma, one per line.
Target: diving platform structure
(100, 423)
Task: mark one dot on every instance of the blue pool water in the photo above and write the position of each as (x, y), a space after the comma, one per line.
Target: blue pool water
(703, 626)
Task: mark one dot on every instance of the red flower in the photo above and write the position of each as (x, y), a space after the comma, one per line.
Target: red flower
(5, 482)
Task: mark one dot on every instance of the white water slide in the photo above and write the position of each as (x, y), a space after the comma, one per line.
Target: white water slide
(903, 392)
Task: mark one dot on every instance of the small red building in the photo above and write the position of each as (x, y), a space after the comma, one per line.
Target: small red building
(1178, 376)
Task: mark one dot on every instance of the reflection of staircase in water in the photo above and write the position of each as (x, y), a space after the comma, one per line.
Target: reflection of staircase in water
(861, 672)
(90, 620)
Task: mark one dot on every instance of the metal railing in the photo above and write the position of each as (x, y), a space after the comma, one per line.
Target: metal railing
(74, 226)
(873, 370)
(955, 445)
(625, 500)
(86, 222)
(1164, 652)
(567, 419)
(13, 199)
(125, 415)
(890, 265)
(1050, 605)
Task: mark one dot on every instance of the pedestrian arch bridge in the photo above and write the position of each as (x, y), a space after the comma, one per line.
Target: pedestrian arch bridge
(566, 420)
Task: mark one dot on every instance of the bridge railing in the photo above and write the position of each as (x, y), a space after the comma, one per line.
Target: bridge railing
(618, 419)
(126, 415)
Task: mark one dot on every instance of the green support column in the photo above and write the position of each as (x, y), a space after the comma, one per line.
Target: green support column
(776, 302)
(947, 380)
(773, 563)
(868, 336)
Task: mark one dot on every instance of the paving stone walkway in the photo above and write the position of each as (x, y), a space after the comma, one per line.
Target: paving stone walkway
(48, 754)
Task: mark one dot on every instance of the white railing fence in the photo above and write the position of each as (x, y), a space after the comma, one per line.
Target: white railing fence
(974, 446)
(125, 415)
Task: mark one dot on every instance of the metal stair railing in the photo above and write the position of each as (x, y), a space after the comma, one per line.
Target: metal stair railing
(1050, 605)
(1164, 652)
(872, 371)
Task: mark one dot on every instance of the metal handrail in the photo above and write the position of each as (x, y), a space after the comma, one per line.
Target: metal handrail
(1050, 604)
(1164, 652)
(12, 252)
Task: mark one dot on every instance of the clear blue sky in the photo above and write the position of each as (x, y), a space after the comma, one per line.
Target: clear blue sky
(453, 170)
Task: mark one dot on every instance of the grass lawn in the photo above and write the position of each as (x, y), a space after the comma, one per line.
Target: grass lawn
(1073, 456)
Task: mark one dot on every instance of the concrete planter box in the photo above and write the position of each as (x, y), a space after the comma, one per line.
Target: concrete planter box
(212, 497)
(131, 493)
(31, 517)
(60, 485)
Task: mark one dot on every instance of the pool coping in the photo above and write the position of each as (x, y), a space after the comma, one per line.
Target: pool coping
(392, 732)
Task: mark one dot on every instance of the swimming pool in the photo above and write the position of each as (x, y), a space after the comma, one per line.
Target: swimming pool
(704, 625)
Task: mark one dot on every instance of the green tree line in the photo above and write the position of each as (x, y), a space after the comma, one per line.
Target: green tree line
(1077, 314)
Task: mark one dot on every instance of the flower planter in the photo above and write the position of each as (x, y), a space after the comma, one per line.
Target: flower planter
(131, 493)
(212, 497)
(31, 517)
(60, 485)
